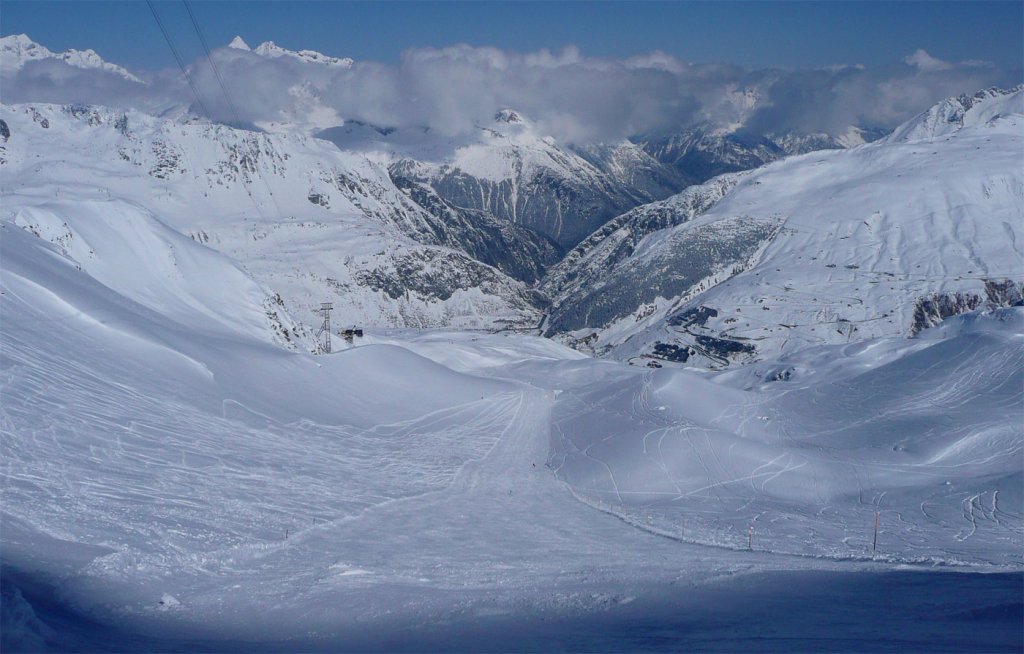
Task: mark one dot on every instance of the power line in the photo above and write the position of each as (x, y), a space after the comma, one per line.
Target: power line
(209, 58)
(231, 106)
(223, 86)
(177, 57)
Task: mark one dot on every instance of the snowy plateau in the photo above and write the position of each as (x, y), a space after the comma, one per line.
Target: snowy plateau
(601, 402)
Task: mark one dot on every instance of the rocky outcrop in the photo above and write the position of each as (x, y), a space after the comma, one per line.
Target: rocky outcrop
(931, 310)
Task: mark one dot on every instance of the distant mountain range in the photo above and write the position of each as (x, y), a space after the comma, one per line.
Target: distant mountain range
(709, 246)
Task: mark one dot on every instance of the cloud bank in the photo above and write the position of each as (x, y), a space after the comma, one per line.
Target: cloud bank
(571, 96)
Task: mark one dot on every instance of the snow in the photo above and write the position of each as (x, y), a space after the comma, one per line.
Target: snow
(254, 190)
(272, 50)
(866, 234)
(176, 462)
(16, 50)
(954, 114)
(238, 43)
(425, 476)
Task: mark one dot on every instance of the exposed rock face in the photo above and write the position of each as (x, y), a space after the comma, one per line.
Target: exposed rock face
(560, 208)
(698, 154)
(688, 262)
(933, 309)
(434, 275)
(617, 239)
(515, 250)
(634, 169)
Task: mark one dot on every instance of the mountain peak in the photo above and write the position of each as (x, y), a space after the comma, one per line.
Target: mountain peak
(18, 49)
(22, 40)
(20, 45)
(509, 116)
(238, 43)
(271, 49)
(952, 114)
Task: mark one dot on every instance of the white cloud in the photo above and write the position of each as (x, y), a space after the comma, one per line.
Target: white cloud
(927, 63)
(567, 94)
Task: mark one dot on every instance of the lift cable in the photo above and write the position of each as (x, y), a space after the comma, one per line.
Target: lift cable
(209, 58)
(177, 57)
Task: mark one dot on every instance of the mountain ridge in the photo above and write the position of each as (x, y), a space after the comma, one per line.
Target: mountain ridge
(17, 50)
(832, 272)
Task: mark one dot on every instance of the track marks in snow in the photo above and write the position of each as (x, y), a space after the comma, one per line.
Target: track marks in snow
(923, 435)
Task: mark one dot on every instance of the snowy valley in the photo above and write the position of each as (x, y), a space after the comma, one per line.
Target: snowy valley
(598, 383)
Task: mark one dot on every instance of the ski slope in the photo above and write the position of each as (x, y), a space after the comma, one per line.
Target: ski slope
(927, 433)
(172, 473)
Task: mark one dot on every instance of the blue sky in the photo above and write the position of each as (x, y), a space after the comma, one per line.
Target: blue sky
(751, 34)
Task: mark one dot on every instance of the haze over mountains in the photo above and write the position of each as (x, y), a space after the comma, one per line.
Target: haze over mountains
(613, 349)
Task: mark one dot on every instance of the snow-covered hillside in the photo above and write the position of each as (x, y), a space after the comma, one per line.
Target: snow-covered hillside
(588, 262)
(952, 115)
(170, 471)
(181, 472)
(309, 222)
(829, 247)
(807, 463)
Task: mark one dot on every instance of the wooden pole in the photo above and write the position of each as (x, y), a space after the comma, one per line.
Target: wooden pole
(874, 541)
(682, 530)
(750, 538)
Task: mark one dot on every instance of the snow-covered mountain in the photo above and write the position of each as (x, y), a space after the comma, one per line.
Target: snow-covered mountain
(954, 114)
(533, 196)
(513, 172)
(176, 462)
(828, 247)
(699, 153)
(309, 222)
(272, 50)
(16, 50)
